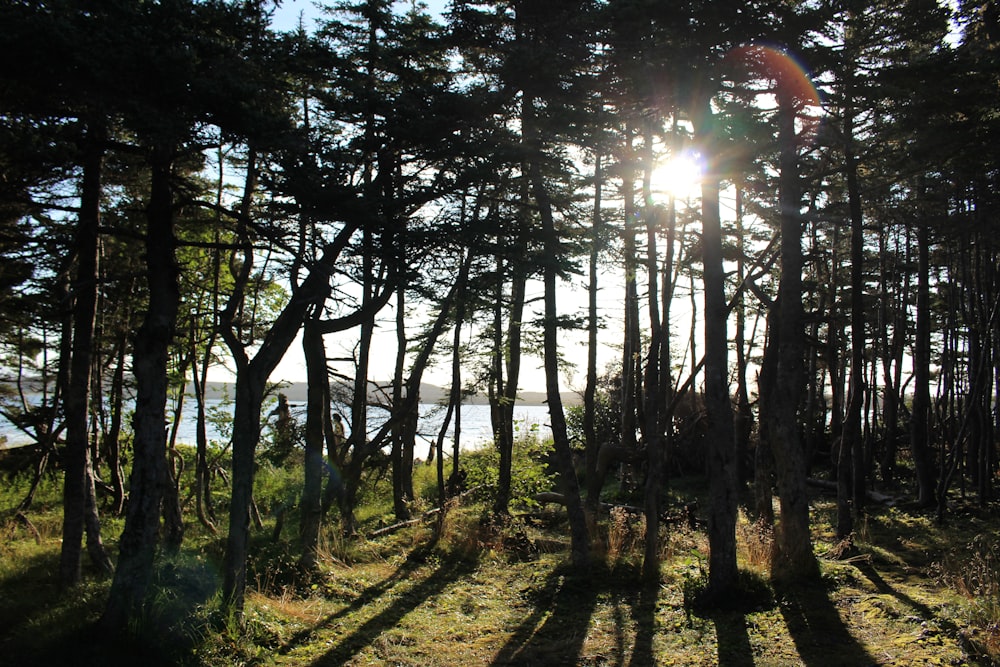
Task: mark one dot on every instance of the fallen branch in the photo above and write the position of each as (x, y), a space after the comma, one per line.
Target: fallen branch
(387, 530)
(23, 518)
(686, 516)
(873, 496)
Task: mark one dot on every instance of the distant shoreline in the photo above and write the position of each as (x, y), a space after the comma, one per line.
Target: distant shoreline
(429, 393)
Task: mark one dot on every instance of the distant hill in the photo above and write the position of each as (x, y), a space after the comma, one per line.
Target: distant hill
(429, 393)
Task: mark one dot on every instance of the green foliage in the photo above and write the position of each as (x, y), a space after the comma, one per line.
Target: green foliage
(278, 488)
(530, 472)
(607, 411)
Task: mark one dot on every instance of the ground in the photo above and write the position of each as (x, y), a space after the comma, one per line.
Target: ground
(459, 593)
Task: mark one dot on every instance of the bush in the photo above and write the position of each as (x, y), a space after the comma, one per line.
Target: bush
(529, 468)
(974, 572)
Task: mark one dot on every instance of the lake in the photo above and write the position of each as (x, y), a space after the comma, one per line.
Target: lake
(476, 428)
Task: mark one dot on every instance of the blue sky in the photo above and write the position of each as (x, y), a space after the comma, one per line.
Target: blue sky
(286, 17)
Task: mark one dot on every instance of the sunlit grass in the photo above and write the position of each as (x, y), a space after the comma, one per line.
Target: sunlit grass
(460, 588)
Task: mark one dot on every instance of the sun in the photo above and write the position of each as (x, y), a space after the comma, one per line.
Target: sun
(679, 176)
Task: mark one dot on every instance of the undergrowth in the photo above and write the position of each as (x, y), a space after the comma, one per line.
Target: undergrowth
(464, 586)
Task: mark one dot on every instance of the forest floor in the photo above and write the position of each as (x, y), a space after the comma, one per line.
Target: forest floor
(452, 592)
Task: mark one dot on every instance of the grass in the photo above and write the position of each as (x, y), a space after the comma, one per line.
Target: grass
(465, 591)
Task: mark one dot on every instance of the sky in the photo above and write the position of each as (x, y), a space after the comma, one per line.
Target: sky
(286, 17)
(292, 368)
(571, 298)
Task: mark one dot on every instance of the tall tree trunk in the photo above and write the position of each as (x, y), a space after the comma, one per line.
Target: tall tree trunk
(793, 554)
(590, 391)
(117, 398)
(400, 500)
(851, 471)
(654, 407)
(630, 344)
(359, 407)
(455, 394)
(579, 537)
(311, 508)
(920, 422)
(744, 412)
(79, 505)
(518, 292)
(202, 475)
(767, 379)
(722, 572)
(137, 545)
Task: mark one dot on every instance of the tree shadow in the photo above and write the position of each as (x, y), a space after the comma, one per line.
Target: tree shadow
(556, 629)
(644, 613)
(882, 586)
(414, 560)
(619, 601)
(733, 638)
(816, 628)
(54, 627)
(447, 572)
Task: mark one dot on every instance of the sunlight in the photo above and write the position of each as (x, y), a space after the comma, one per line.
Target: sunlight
(680, 176)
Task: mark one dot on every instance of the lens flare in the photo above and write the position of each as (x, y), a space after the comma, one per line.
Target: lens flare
(788, 74)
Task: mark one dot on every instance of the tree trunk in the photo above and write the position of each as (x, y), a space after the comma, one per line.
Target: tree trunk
(79, 506)
(793, 556)
(137, 545)
(400, 499)
(311, 507)
(744, 413)
(630, 344)
(592, 446)
(359, 407)
(579, 537)
(654, 407)
(518, 291)
(721, 439)
(767, 391)
(920, 422)
(116, 399)
(851, 471)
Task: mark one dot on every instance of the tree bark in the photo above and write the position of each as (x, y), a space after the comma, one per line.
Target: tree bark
(137, 545)
(579, 537)
(920, 422)
(311, 507)
(793, 556)
(721, 438)
(79, 503)
(592, 447)
(850, 469)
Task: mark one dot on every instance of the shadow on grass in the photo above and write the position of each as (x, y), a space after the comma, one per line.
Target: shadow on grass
(644, 613)
(416, 559)
(882, 586)
(58, 628)
(618, 612)
(447, 573)
(554, 632)
(816, 628)
(733, 639)
(28, 593)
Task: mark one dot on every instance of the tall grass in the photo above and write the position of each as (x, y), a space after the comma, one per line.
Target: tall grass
(974, 572)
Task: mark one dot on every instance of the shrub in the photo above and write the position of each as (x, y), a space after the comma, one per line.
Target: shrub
(974, 572)
(529, 468)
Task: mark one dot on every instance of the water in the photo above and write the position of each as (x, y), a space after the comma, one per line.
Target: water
(476, 428)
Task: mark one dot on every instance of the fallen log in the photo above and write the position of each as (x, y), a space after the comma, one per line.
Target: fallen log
(388, 530)
(686, 516)
(828, 485)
